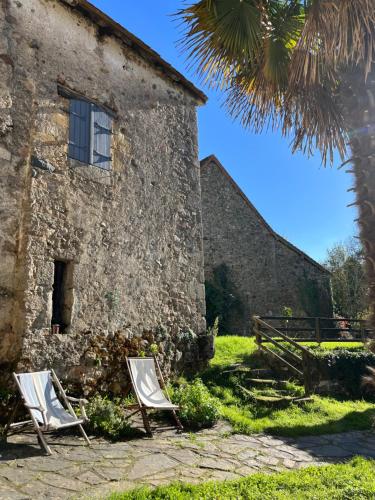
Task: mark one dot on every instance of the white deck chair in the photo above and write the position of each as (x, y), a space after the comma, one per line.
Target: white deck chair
(46, 411)
(146, 377)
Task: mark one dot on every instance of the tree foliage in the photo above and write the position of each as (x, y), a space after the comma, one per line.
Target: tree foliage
(349, 286)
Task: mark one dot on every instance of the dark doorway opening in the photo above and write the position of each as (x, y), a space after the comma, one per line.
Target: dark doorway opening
(59, 316)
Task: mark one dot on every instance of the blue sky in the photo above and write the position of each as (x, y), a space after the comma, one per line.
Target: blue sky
(303, 201)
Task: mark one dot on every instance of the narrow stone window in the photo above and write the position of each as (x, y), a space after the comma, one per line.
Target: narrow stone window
(62, 296)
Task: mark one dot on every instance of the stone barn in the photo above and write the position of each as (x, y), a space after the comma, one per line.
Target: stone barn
(100, 212)
(261, 269)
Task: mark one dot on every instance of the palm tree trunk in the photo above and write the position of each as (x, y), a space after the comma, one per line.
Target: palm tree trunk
(357, 98)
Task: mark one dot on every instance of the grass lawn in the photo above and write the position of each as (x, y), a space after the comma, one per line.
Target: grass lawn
(351, 346)
(231, 349)
(354, 480)
(321, 416)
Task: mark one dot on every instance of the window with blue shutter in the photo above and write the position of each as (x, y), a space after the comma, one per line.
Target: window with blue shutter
(79, 130)
(101, 138)
(90, 134)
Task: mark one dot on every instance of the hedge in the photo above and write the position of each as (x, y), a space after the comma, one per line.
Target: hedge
(347, 367)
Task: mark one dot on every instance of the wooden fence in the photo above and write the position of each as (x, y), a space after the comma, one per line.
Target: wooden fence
(310, 329)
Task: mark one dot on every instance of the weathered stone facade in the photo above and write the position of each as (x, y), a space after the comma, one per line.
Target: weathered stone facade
(266, 271)
(131, 237)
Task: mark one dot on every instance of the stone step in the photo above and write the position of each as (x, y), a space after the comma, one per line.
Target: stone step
(261, 382)
(238, 368)
(281, 397)
(281, 400)
(261, 373)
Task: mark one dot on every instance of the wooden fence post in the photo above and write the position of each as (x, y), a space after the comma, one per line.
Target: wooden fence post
(307, 373)
(256, 326)
(317, 330)
(363, 335)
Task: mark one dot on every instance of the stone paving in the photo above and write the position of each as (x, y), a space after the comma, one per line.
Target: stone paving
(76, 471)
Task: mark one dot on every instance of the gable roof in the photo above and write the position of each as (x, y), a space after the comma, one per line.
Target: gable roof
(213, 160)
(111, 27)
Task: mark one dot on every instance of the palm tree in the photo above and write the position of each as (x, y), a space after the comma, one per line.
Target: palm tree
(305, 67)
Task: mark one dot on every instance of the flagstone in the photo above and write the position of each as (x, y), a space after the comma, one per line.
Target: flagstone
(331, 451)
(223, 475)
(186, 457)
(91, 478)
(76, 471)
(150, 464)
(45, 464)
(268, 459)
(14, 475)
(38, 490)
(111, 473)
(210, 463)
(244, 455)
(10, 494)
(60, 481)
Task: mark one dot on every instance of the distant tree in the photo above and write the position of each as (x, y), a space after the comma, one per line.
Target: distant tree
(345, 260)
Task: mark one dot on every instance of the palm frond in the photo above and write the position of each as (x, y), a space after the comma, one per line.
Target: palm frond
(336, 33)
(309, 116)
(279, 60)
(220, 35)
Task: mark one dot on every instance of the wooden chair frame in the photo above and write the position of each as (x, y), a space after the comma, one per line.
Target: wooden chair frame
(40, 429)
(140, 407)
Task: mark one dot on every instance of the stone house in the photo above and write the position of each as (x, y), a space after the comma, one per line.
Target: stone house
(100, 213)
(266, 272)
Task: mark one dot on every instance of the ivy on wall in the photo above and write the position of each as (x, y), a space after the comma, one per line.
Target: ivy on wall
(310, 295)
(222, 300)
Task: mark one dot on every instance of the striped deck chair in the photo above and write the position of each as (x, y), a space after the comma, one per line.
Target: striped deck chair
(146, 377)
(46, 411)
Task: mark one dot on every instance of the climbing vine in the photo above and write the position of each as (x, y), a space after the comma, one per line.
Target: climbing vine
(222, 300)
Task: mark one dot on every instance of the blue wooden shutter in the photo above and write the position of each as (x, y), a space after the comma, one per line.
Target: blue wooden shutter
(79, 130)
(101, 138)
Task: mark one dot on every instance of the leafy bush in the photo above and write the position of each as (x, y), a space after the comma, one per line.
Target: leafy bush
(187, 336)
(348, 368)
(6, 404)
(198, 408)
(214, 329)
(107, 418)
(287, 312)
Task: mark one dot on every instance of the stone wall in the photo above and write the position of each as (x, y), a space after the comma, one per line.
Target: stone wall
(266, 271)
(13, 192)
(132, 237)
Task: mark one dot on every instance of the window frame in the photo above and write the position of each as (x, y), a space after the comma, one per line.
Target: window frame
(94, 104)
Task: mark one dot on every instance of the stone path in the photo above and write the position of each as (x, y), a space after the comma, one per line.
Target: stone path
(76, 471)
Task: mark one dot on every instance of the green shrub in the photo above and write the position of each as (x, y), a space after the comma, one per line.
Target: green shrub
(198, 408)
(107, 418)
(287, 312)
(348, 368)
(6, 403)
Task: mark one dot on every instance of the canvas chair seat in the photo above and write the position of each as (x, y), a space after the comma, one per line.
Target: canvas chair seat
(45, 409)
(150, 395)
(146, 384)
(38, 391)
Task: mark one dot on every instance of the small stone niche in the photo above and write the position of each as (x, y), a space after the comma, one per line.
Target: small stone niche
(62, 296)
